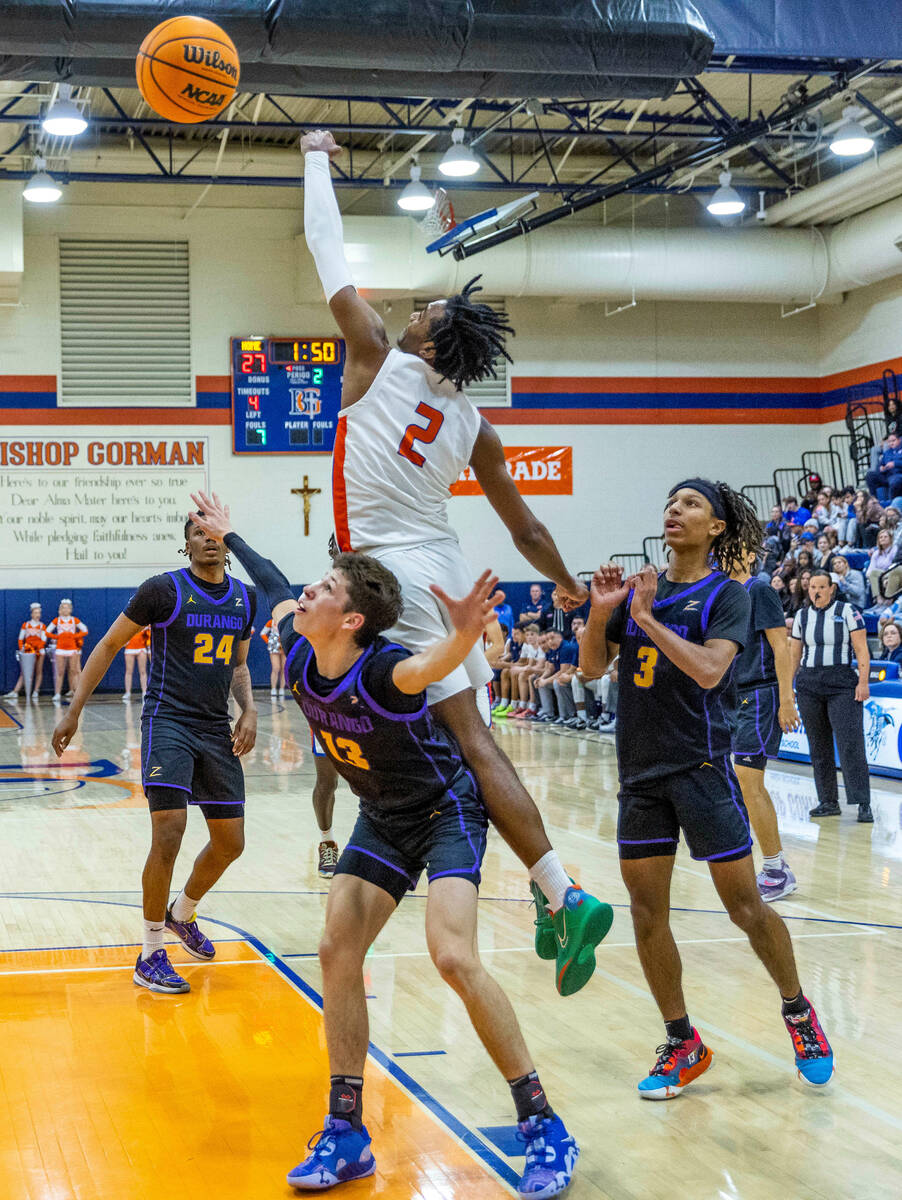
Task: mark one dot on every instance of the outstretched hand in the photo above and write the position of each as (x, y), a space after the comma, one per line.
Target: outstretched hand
(645, 588)
(608, 588)
(570, 598)
(471, 614)
(213, 516)
(320, 139)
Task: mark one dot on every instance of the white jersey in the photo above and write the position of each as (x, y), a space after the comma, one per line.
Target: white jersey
(397, 452)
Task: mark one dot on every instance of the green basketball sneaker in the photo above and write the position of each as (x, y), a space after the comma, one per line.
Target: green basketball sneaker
(579, 925)
(546, 942)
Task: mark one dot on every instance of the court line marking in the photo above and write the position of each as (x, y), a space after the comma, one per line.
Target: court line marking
(480, 1150)
(234, 962)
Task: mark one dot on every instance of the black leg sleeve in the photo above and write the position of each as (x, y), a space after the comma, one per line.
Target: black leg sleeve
(846, 717)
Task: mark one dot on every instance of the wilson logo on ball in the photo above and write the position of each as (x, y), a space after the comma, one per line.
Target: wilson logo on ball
(187, 69)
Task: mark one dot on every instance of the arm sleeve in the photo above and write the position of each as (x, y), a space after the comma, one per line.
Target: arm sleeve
(152, 602)
(730, 615)
(768, 612)
(265, 574)
(377, 679)
(252, 612)
(322, 225)
(616, 623)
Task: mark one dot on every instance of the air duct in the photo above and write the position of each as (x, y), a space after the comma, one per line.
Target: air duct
(750, 265)
(12, 262)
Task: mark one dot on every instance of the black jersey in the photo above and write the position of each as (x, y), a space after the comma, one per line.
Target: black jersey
(393, 760)
(195, 628)
(755, 664)
(666, 722)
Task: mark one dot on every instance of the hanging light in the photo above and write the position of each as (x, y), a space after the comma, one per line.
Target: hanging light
(726, 201)
(458, 160)
(416, 197)
(851, 139)
(41, 188)
(64, 118)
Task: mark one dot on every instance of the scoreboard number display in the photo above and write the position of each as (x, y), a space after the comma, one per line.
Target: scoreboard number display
(286, 394)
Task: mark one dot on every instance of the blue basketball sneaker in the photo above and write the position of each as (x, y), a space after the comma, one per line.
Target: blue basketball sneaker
(551, 1154)
(191, 937)
(340, 1154)
(156, 974)
(814, 1057)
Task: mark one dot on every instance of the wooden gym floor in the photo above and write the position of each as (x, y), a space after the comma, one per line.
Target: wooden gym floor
(107, 1091)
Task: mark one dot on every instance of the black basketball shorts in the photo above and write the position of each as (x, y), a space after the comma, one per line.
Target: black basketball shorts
(756, 729)
(184, 765)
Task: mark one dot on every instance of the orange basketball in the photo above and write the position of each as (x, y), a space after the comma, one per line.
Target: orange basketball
(187, 69)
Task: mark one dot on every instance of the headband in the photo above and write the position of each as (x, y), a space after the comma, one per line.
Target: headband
(708, 490)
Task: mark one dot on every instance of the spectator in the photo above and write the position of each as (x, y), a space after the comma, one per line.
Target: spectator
(780, 528)
(822, 550)
(778, 583)
(511, 655)
(893, 417)
(608, 689)
(891, 643)
(793, 514)
(804, 582)
(532, 660)
(535, 607)
(827, 511)
(865, 522)
(831, 694)
(505, 615)
(883, 556)
(886, 481)
(849, 582)
(545, 680)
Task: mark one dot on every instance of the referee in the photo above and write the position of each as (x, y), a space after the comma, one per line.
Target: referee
(825, 638)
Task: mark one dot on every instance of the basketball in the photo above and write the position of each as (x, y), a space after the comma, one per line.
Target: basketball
(187, 69)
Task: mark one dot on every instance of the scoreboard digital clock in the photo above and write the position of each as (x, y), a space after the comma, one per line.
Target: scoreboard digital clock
(286, 394)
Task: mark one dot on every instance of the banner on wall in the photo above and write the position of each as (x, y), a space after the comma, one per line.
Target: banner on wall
(882, 736)
(536, 470)
(97, 501)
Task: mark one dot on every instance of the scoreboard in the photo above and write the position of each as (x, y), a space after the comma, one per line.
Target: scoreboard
(286, 394)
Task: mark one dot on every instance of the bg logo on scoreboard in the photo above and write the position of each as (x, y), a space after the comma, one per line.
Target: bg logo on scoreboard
(305, 402)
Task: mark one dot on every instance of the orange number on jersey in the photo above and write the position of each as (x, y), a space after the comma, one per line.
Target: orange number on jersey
(645, 676)
(345, 751)
(203, 648)
(416, 433)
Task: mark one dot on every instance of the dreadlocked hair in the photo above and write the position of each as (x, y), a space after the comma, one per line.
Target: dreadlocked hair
(187, 552)
(469, 338)
(743, 535)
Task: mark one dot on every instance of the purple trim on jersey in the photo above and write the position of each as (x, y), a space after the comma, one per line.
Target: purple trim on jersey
(421, 745)
(464, 830)
(343, 686)
(723, 853)
(728, 771)
(294, 649)
(146, 783)
(383, 712)
(178, 602)
(384, 861)
(192, 584)
(708, 730)
(699, 583)
(247, 606)
(160, 697)
(706, 611)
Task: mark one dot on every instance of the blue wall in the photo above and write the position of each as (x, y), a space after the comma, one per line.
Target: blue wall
(99, 608)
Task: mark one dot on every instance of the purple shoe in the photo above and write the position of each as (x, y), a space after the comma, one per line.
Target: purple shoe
(156, 974)
(191, 937)
(775, 885)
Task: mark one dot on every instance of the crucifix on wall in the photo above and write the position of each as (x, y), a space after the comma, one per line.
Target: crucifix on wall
(306, 492)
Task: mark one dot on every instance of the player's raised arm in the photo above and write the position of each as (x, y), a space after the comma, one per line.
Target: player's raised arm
(530, 536)
(214, 518)
(119, 634)
(608, 591)
(361, 325)
(469, 616)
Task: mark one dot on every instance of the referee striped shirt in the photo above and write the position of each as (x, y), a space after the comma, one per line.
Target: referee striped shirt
(826, 634)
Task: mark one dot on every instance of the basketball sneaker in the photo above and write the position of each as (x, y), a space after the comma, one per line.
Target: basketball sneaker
(328, 859)
(546, 942)
(678, 1064)
(503, 709)
(156, 974)
(579, 925)
(191, 937)
(340, 1153)
(551, 1154)
(774, 885)
(814, 1058)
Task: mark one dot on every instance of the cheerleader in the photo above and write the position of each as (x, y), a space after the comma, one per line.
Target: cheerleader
(67, 634)
(270, 636)
(136, 652)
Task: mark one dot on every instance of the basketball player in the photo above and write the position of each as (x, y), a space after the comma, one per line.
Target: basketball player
(67, 635)
(364, 698)
(766, 709)
(32, 642)
(405, 433)
(201, 620)
(678, 635)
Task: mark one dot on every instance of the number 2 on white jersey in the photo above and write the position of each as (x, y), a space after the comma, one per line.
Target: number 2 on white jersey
(416, 433)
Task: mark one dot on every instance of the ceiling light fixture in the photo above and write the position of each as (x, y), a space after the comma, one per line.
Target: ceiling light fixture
(416, 197)
(726, 201)
(458, 160)
(64, 118)
(41, 188)
(851, 139)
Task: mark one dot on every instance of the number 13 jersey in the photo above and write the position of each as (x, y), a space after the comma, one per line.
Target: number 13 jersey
(666, 722)
(398, 450)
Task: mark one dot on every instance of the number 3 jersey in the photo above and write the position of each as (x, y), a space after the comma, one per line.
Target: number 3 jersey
(666, 722)
(195, 628)
(398, 450)
(384, 743)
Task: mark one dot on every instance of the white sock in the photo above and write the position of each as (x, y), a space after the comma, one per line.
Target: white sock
(153, 938)
(183, 907)
(551, 877)
(774, 862)
(325, 835)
